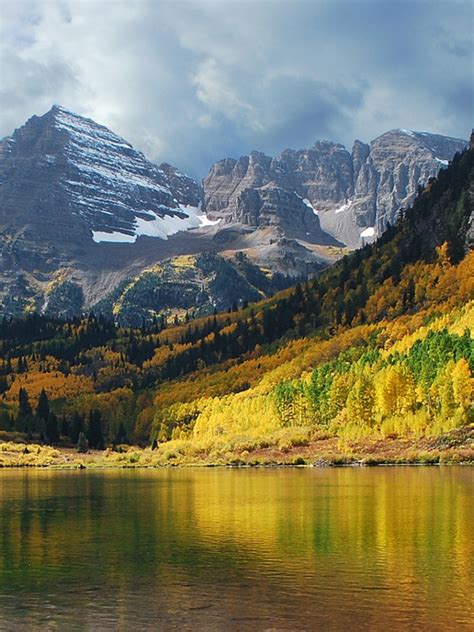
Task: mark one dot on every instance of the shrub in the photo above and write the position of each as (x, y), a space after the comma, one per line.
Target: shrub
(299, 461)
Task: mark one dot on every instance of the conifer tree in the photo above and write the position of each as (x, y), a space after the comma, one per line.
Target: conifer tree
(94, 433)
(24, 407)
(52, 433)
(77, 427)
(65, 427)
(42, 409)
(82, 443)
(25, 413)
(120, 435)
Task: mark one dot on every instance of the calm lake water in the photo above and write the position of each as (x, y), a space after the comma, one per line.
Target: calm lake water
(217, 549)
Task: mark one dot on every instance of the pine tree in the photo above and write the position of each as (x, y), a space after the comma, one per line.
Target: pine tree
(52, 433)
(42, 409)
(3, 385)
(94, 433)
(24, 407)
(23, 422)
(120, 435)
(82, 443)
(65, 427)
(77, 427)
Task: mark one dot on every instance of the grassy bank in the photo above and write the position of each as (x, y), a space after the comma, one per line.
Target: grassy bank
(287, 449)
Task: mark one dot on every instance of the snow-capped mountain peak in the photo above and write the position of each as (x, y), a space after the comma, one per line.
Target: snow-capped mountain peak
(97, 177)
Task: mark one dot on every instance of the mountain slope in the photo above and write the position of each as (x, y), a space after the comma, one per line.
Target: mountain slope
(187, 285)
(82, 213)
(379, 348)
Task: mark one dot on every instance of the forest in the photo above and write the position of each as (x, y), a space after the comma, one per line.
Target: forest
(379, 345)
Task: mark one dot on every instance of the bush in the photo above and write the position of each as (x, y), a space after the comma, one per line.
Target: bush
(299, 461)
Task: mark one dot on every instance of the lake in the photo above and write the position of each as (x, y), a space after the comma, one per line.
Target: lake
(237, 549)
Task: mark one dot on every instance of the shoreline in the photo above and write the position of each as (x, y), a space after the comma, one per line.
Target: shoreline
(266, 466)
(453, 448)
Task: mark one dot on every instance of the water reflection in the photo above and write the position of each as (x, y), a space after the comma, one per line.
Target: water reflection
(249, 549)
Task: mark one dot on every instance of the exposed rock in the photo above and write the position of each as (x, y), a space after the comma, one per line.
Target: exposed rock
(65, 181)
(354, 195)
(186, 191)
(70, 191)
(82, 213)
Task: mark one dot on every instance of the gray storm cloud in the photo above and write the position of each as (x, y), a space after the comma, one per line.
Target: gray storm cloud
(192, 82)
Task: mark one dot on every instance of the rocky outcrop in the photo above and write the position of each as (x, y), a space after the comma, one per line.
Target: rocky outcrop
(355, 195)
(186, 191)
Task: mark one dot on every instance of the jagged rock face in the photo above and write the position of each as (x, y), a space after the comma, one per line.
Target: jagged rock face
(274, 206)
(398, 162)
(259, 191)
(66, 180)
(77, 203)
(75, 197)
(470, 228)
(354, 194)
(185, 190)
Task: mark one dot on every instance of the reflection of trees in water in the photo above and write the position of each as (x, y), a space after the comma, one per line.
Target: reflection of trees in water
(165, 543)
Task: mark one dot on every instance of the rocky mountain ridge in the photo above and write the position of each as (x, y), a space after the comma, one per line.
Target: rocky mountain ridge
(355, 195)
(83, 215)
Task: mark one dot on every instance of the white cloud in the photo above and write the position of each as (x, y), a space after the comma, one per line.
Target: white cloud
(192, 82)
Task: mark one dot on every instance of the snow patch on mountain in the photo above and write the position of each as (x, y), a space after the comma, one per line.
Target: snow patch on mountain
(114, 237)
(344, 207)
(368, 232)
(117, 192)
(150, 224)
(309, 205)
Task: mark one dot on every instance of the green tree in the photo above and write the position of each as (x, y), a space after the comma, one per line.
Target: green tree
(120, 435)
(24, 420)
(94, 433)
(77, 427)
(24, 406)
(42, 409)
(82, 443)
(52, 432)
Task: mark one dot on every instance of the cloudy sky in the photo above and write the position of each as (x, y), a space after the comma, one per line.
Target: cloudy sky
(191, 82)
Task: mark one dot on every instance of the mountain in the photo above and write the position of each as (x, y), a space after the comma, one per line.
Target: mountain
(372, 361)
(71, 180)
(353, 195)
(83, 215)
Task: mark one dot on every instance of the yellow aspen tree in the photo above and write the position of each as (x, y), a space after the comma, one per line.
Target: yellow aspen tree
(442, 391)
(463, 385)
(360, 402)
(395, 391)
(339, 392)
